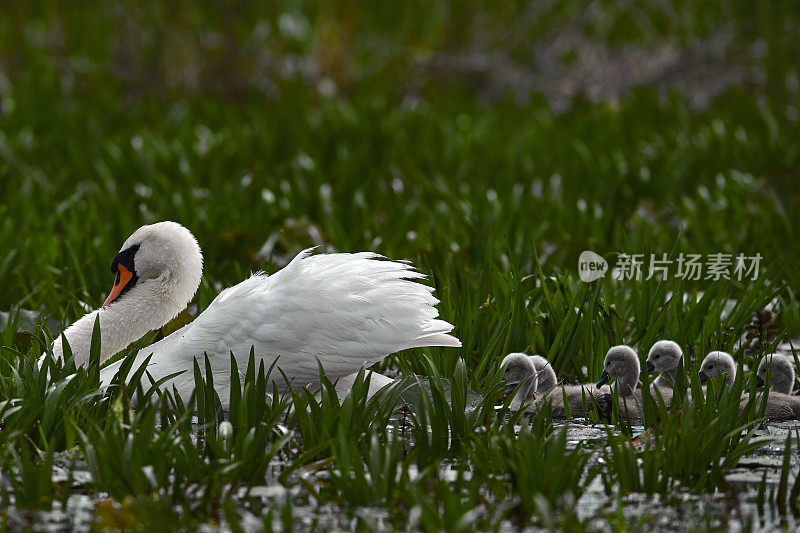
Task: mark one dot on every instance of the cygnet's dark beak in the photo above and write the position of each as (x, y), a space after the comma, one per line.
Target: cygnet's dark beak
(604, 378)
(510, 388)
(703, 376)
(650, 367)
(759, 382)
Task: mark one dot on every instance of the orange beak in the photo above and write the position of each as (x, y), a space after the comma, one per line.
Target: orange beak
(123, 278)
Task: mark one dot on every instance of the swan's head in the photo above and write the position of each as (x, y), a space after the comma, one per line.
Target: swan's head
(164, 253)
(545, 375)
(664, 357)
(621, 364)
(716, 365)
(781, 373)
(516, 368)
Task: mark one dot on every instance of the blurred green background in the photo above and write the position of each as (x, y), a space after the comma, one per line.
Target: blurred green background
(456, 134)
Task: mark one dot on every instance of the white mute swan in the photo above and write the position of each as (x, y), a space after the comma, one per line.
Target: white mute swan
(343, 310)
(664, 357)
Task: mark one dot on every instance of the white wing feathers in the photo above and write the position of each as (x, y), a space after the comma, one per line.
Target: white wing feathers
(345, 310)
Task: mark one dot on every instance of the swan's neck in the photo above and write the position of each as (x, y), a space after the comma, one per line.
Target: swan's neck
(782, 383)
(627, 383)
(666, 378)
(146, 307)
(524, 395)
(546, 381)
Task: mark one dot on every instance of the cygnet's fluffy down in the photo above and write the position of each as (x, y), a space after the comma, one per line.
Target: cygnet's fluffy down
(718, 365)
(520, 376)
(664, 357)
(539, 386)
(781, 405)
(781, 376)
(621, 365)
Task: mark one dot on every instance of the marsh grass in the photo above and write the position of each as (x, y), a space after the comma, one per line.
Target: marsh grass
(322, 421)
(393, 450)
(693, 442)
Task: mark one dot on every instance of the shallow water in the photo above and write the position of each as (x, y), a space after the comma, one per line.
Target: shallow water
(737, 508)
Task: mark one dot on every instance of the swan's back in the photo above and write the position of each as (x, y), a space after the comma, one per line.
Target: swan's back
(577, 397)
(343, 310)
(779, 406)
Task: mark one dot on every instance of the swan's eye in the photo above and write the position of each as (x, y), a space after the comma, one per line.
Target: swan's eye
(657, 356)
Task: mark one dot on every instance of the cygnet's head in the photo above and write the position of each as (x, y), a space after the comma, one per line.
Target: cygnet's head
(545, 375)
(520, 375)
(664, 357)
(164, 253)
(621, 364)
(781, 373)
(718, 364)
(516, 368)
